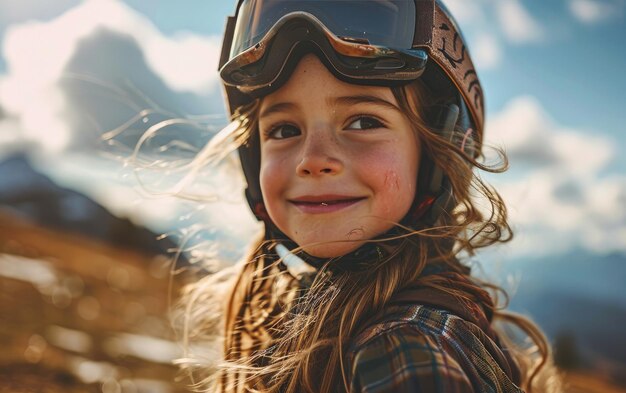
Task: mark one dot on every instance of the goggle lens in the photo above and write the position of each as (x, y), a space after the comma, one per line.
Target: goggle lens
(388, 23)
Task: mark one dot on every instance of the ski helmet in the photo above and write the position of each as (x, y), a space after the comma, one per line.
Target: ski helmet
(370, 42)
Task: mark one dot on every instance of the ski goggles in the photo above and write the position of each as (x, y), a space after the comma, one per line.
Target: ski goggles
(378, 42)
(366, 41)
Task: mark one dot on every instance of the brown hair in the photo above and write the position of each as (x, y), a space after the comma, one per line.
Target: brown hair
(278, 338)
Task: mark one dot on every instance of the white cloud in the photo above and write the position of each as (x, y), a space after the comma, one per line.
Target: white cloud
(561, 200)
(517, 24)
(168, 56)
(529, 133)
(465, 11)
(30, 93)
(594, 11)
(486, 51)
(488, 40)
(187, 62)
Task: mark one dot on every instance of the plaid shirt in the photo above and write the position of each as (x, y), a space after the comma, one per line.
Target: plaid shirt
(420, 348)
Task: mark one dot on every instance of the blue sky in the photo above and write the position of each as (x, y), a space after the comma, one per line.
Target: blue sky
(576, 74)
(552, 72)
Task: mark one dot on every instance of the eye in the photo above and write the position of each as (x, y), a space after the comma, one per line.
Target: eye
(365, 123)
(282, 131)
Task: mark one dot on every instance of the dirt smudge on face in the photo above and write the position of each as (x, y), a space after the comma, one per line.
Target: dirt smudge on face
(355, 232)
(391, 180)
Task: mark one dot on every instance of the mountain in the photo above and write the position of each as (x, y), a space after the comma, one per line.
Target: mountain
(32, 195)
(579, 300)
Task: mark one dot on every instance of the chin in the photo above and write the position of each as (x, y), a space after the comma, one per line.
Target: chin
(332, 250)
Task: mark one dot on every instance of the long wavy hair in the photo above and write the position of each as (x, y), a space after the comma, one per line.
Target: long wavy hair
(277, 337)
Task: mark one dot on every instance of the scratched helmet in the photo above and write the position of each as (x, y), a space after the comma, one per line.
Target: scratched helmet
(369, 42)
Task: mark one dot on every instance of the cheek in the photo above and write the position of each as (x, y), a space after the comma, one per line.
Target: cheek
(274, 180)
(390, 169)
(392, 175)
(271, 176)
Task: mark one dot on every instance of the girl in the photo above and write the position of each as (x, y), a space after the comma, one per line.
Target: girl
(358, 125)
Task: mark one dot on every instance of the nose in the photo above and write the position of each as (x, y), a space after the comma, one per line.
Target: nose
(320, 156)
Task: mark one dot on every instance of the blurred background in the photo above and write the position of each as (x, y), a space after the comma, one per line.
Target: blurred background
(86, 273)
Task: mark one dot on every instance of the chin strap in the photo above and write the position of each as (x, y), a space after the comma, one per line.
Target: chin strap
(303, 272)
(304, 267)
(439, 185)
(353, 261)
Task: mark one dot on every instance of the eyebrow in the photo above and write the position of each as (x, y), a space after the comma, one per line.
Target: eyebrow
(343, 100)
(279, 107)
(364, 99)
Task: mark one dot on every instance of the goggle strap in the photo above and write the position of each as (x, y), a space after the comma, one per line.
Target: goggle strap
(424, 26)
(449, 51)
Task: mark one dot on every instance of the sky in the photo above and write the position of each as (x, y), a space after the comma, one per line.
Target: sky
(552, 72)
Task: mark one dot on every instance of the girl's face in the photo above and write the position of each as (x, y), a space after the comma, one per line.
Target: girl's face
(338, 161)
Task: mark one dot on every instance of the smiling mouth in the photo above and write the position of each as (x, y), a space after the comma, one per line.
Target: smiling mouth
(323, 205)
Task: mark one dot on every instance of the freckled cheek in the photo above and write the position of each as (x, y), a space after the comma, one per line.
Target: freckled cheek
(393, 180)
(387, 170)
(273, 181)
(272, 177)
